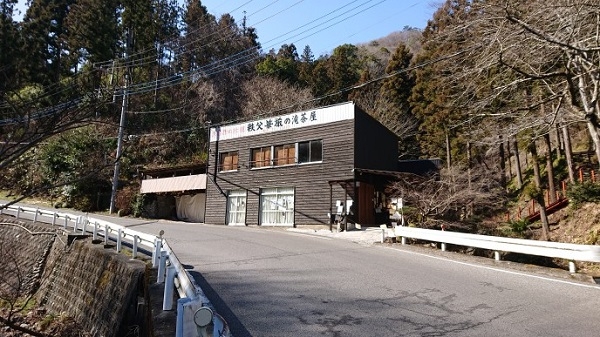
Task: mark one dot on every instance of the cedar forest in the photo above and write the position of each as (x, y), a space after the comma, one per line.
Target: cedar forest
(505, 92)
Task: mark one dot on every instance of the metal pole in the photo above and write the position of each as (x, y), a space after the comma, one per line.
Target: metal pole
(135, 246)
(162, 266)
(119, 236)
(95, 232)
(115, 182)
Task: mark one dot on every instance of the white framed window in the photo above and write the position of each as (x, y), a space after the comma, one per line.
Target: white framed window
(277, 206)
(236, 207)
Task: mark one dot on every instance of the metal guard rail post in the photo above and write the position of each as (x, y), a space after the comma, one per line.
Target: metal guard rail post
(189, 292)
(568, 251)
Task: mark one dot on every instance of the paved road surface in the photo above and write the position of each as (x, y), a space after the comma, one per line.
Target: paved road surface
(279, 283)
(282, 283)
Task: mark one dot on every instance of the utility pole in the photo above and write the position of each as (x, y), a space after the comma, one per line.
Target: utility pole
(115, 182)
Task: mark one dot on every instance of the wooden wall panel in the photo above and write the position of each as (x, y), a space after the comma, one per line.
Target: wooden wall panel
(309, 180)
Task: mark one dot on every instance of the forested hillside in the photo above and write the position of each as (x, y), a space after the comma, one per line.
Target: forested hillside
(504, 92)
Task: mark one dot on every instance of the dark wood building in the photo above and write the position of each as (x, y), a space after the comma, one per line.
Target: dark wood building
(296, 169)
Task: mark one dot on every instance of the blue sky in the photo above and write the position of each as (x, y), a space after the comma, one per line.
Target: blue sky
(322, 24)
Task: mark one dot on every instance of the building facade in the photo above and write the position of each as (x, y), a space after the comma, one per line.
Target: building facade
(300, 169)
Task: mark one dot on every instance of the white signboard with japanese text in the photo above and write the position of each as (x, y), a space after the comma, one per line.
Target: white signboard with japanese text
(294, 120)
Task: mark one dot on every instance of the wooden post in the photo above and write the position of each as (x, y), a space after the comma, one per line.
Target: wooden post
(532, 207)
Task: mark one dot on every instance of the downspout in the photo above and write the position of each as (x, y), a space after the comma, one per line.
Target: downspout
(330, 207)
(216, 169)
(207, 161)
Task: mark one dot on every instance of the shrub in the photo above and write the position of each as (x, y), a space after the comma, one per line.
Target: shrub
(583, 192)
(519, 226)
(138, 205)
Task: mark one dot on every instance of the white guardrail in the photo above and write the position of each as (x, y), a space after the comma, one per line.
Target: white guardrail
(195, 313)
(569, 251)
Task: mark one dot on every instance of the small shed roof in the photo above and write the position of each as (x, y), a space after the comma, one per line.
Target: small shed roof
(174, 184)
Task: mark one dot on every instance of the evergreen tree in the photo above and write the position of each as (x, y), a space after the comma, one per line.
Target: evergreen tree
(10, 43)
(44, 38)
(320, 83)
(343, 70)
(199, 37)
(284, 65)
(395, 92)
(431, 96)
(93, 32)
(305, 67)
(139, 21)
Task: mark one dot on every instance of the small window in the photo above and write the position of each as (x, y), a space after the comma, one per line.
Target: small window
(310, 151)
(284, 155)
(229, 161)
(261, 157)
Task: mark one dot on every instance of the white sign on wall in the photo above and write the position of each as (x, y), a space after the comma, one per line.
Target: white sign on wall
(284, 122)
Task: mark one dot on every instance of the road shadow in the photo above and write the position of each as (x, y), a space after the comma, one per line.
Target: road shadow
(235, 325)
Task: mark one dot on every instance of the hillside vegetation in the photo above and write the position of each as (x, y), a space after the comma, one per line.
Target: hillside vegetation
(505, 94)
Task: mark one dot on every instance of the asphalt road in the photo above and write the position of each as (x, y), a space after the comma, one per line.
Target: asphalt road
(280, 283)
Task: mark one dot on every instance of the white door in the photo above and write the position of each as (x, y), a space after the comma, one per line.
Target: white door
(236, 208)
(277, 206)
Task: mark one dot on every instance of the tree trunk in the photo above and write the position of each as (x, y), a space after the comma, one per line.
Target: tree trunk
(502, 163)
(469, 205)
(509, 156)
(559, 144)
(595, 136)
(539, 195)
(448, 158)
(550, 170)
(568, 152)
(518, 163)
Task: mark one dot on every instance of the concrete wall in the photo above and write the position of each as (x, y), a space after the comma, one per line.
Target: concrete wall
(96, 286)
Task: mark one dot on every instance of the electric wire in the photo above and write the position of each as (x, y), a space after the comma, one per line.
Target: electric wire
(220, 65)
(353, 87)
(243, 57)
(250, 54)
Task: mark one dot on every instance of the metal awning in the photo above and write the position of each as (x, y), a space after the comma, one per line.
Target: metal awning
(174, 184)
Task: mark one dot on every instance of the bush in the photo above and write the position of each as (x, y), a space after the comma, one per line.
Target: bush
(519, 226)
(138, 205)
(583, 192)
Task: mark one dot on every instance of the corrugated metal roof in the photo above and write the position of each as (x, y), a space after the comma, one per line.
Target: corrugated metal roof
(174, 184)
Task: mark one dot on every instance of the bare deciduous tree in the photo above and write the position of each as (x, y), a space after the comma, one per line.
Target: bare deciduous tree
(266, 95)
(548, 50)
(451, 191)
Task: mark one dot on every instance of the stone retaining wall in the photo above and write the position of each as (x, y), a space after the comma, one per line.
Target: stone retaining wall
(104, 291)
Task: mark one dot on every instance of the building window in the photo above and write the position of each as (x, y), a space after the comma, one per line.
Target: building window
(277, 206)
(284, 155)
(310, 151)
(261, 157)
(236, 207)
(229, 161)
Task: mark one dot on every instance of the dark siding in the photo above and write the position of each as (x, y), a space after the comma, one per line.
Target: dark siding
(376, 146)
(309, 180)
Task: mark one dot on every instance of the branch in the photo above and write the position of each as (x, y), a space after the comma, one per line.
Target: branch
(18, 327)
(545, 37)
